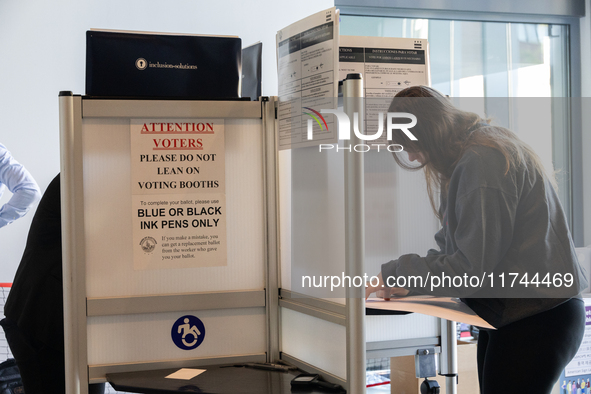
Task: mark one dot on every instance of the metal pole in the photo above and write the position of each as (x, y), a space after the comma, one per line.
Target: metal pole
(73, 264)
(354, 239)
(449, 355)
(272, 220)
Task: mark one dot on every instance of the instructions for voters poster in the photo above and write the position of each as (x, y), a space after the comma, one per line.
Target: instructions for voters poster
(178, 193)
(387, 65)
(307, 66)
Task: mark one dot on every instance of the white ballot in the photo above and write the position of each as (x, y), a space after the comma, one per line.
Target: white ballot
(185, 373)
(443, 307)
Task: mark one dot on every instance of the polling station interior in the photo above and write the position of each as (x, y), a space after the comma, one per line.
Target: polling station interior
(206, 238)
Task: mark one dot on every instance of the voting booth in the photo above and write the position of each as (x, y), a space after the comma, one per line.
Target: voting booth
(347, 211)
(188, 225)
(122, 317)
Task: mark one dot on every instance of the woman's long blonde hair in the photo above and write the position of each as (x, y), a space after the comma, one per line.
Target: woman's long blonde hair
(445, 132)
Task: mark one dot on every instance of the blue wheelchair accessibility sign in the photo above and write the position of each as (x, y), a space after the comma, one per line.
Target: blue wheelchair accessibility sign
(188, 332)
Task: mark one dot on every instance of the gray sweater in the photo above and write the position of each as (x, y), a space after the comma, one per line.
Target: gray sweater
(505, 235)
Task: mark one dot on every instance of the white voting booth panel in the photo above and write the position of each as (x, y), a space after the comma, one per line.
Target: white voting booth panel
(321, 343)
(316, 341)
(401, 327)
(120, 319)
(312, 230)
(399, 220)
(284, 213)
(315, 229)
(107, 196)
(141, 338)
(123, 339)
(343, 214)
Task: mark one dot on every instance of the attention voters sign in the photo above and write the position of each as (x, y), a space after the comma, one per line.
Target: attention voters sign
(178, 193)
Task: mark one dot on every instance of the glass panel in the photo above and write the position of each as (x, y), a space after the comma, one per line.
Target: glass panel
(495, 59)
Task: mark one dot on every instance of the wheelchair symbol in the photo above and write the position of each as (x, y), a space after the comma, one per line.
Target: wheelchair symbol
(188, 332)
(188, 329)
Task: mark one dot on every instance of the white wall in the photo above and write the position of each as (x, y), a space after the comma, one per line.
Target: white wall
(42, 51)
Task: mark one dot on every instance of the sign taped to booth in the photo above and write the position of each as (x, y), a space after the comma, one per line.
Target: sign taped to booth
(178, 193)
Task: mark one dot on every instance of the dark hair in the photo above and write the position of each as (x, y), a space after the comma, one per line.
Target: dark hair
(445, 132)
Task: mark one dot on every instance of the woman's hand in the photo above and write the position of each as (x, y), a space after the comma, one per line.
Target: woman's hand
(382, 291)
(379, 288)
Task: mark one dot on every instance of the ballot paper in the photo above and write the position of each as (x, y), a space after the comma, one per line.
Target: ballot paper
(443, 307)
(185, 373)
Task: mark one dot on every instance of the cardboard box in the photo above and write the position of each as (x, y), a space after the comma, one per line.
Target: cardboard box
(404, 381)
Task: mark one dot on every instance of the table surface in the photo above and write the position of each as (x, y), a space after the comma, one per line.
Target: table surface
(220, 379)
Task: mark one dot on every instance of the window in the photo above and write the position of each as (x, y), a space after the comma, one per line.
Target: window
(515, 73)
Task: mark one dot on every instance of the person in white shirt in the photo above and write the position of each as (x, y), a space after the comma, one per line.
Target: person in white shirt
(25, 192)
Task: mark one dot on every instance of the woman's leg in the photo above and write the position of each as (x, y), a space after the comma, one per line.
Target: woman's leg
(528, 356)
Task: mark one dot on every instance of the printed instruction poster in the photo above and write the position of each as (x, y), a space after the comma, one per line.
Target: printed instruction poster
(387, 65)
(307, 65)
(178, 193)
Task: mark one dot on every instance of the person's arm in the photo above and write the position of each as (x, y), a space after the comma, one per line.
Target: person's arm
(440, 240)
(385, 292)
(20, 182)
(485, 220)
(440, 235)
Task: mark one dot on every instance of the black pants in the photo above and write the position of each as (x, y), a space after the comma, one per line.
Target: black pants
(41, 367)
(529, 355)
